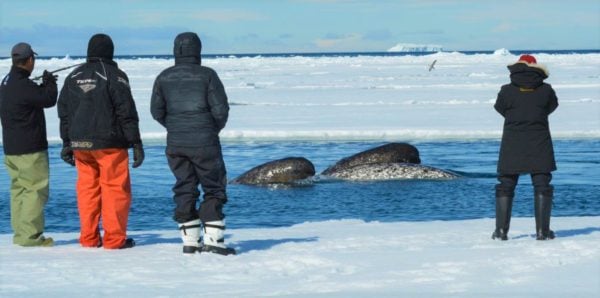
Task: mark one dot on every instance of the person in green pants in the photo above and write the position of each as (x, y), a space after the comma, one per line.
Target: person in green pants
(22, 104)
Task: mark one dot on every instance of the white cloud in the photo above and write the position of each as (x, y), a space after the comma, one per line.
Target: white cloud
(334, 41)
(504, 27)
(227, 15)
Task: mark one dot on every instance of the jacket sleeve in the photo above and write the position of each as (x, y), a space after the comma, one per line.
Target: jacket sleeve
(217, 101)
(158, 107)
(41, 96)
(126, 113)
(63, 112)
(500, 105)
(553, 101)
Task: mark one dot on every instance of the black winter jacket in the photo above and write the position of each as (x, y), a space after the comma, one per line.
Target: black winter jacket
(96, 108)
(22, 104)
(189, 100)
(525, 104)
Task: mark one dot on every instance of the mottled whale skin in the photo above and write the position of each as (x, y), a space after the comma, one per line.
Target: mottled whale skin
(281, 171)
(392, 171)
(388, 153)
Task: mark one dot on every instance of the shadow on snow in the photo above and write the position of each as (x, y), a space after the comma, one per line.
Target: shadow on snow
(565, 233)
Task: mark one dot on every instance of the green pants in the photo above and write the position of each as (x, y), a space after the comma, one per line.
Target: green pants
(28, 196)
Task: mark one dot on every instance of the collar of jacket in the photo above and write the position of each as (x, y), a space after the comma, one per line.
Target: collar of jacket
(188, 60)
(103, 60)
(20, 70)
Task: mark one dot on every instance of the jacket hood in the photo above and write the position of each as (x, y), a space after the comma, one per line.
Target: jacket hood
(186, 45)
(100, 46)
(523, 75)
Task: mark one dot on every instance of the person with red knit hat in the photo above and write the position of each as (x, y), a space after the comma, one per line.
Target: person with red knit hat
(526, 146)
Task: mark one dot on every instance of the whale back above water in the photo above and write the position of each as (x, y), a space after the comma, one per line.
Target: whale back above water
(281, 171)
(391, 171)
(388, 153)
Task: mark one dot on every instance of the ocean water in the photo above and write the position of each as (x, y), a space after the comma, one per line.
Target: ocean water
(329, 106)
(577, 185)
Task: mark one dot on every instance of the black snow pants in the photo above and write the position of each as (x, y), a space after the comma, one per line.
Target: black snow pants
(198, 166)
(508, 182)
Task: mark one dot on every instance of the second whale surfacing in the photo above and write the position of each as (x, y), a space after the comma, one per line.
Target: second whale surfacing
(387, 162)
(388, 153)
(392, 171)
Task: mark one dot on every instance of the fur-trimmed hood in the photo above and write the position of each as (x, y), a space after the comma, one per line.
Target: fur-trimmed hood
(527, 73)
(523, 75)
(541, 67)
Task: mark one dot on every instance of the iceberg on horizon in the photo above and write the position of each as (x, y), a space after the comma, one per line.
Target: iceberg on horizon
(411, 47)
(502, 52)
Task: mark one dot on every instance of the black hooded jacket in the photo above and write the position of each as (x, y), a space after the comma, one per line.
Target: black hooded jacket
(95, 106)
(525, 104)
(188, 98)
(22, 104)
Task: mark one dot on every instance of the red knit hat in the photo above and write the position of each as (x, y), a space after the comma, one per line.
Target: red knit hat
(527, 59)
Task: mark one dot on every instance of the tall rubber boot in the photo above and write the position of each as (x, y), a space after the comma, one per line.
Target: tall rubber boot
(190, 234)
(214, 238)
(504, 202)
(543, 209)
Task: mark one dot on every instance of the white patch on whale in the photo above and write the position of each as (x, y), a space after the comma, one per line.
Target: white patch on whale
(391, 171)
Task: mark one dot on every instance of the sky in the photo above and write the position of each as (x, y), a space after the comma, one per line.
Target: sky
(62, 27)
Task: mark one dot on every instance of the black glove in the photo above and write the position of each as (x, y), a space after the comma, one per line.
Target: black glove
(48, 78)
(138, 155)
(67, 155)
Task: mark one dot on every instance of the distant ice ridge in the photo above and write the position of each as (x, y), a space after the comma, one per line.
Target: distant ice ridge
(236, 135)
(411, 47)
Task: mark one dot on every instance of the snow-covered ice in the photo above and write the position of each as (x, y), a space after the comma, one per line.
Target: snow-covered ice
(368, 97)
(342, 258)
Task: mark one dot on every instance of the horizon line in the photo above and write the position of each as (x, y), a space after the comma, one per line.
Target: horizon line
(331, 53)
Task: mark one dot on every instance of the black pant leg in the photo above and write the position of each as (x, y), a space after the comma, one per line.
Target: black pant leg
(507, 185)
(210, 170)
(186, 186)
(541, 180)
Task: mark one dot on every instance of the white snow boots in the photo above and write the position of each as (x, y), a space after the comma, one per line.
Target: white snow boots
(213, 239)
(190, 234)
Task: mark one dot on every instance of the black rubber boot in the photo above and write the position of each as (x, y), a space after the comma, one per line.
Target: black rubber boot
(129, 243)
(543, 209)
(504, 202)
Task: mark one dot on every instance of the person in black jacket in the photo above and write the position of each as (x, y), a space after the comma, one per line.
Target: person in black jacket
(526, 145)
(98, 122)
(22, 104)
(190, 101)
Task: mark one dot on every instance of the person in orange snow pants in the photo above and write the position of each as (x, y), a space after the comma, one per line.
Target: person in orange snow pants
(98, 123)
(103, 189)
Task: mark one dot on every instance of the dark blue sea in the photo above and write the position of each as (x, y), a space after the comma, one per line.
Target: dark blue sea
(577, 187)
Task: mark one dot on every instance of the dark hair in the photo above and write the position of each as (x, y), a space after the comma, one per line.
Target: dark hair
(20, 61)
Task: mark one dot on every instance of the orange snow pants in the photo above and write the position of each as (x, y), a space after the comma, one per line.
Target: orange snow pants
(103, 190)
